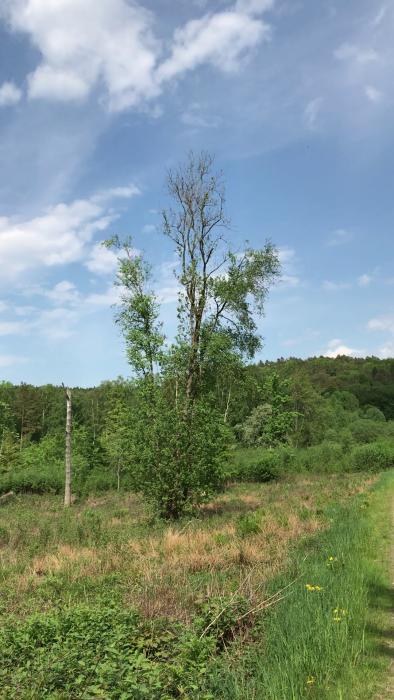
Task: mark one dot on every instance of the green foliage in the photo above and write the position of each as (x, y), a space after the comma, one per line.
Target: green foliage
(260, 464)
(178, 457)
(374, 413)
(326, 457)
(117, 438)
(248, 524)
(30, 480)
(271, 422)
(102, 652)
(139, 312)
(10, 453)
(365, 430)
(374, 456)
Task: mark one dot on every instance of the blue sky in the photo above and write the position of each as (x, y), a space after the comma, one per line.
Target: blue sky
(98, 98)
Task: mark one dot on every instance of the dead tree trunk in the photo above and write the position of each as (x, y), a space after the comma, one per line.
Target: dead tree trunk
(68, 464)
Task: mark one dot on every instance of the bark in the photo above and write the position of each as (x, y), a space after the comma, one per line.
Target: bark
(68, 459)
(227, 405)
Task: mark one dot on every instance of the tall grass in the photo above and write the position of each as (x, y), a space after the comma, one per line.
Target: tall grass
(314, 643)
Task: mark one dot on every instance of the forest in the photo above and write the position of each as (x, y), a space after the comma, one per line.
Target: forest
(317, 414)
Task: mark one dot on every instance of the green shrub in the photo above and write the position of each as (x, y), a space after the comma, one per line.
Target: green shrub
(98, 481)
(260, 464)
(374, 413)
(31, 480)
(326, 457)
(365, 430)
(101, 652)
(374, 456)
(248, 524)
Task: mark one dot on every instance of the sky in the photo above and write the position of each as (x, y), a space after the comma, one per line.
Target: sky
(99, 98)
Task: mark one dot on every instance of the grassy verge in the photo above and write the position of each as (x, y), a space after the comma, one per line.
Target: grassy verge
(324, 640)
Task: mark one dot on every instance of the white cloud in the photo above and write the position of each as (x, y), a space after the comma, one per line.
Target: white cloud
(167, 287)
(358, 54)
(373, 94)
(12, 327)
(379, 17)
(312, 112)
(336, 347)
(329, 286)
(384, 324)
(10, 94)
(57, 84)
(104, 299)
(112, 44)
(339, 237)
(387, 350)
(289, 281)
(364, 280)
(59, 236)
(56, 324)
(288, 260)
(149, 228)
(116, 193)
(64, 292)
(101, 261)
(221, 39)
(286, 255)
(197, 117)
(253, 6)
(9, 360)
(84, 43)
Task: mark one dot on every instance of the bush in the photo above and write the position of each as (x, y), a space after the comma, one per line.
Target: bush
(254, 464)
(365, 430)
(31, 480)
(179, 455)
(101, 652)
(374, 456)
(98, 481)
(326, 457)
(374, 413)
(249, 524)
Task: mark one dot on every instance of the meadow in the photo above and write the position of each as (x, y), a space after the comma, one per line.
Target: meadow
(264, 593)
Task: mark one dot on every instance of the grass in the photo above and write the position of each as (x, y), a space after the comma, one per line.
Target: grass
(93, 585)
(324, 640)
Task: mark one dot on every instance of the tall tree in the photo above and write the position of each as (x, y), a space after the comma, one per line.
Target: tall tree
(178, 426)
(219, 289)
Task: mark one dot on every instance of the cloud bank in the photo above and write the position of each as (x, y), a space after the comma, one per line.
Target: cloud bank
(87, 45)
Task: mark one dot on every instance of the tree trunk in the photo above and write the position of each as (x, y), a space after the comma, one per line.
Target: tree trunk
(227, 405)
(67, 487)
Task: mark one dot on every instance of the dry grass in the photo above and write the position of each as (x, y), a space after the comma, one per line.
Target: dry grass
(161, 569)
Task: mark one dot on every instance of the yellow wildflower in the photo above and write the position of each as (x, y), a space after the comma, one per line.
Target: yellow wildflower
(311, 680)
(310, 587)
